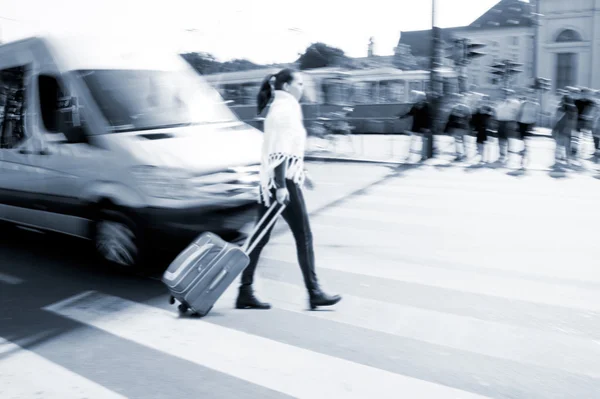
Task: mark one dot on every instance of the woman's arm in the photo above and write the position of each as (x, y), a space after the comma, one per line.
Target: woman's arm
(280, 172)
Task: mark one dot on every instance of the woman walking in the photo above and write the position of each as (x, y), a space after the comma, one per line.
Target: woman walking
(421, 125)
(480, 123)
(282, 178)
(459, 124)
(566, 122)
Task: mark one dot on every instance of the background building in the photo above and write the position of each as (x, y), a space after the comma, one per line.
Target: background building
(508, 32)
(569, 42)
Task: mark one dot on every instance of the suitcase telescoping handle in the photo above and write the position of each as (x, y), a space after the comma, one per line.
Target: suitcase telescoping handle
(247, 248)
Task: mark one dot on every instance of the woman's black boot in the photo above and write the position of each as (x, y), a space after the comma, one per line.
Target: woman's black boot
(247, 300)
(319, 298)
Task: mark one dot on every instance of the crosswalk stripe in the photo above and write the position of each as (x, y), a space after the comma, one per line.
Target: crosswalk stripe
(8, 279)
(395, 233)
(519, 344)
(465, 281)
(450, 221)
(24, 374)
(330, 228)
(458, 252)
(284, 368)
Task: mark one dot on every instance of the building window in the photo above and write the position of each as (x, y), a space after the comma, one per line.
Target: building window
(515, 40)
(567, 36)
(566, 67)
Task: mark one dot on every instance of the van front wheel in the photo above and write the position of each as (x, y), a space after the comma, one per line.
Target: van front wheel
(116, 241)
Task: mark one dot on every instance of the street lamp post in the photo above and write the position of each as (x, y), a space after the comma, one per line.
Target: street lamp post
(435, 96)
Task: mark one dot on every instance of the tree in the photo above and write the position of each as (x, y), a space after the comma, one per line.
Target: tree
(320, 55)
(238, 65)
(204, 63)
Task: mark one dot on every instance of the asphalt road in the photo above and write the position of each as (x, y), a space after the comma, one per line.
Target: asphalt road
(457, 283)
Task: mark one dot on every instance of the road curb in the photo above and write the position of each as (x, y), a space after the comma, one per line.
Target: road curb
(327, 158)
(342, 159)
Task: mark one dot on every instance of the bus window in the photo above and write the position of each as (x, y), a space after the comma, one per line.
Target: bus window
(231, 93)
(249, 93)
(360, 93)
(396, 91)
(384, 92)
(335, 91)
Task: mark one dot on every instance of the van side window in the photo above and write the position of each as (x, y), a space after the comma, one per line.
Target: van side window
(12, 106)
(50, 94)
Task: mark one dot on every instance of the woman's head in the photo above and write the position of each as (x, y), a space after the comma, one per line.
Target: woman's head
(286, 80)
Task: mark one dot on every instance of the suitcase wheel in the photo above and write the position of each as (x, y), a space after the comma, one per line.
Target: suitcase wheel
(171, 300)
(183, 308)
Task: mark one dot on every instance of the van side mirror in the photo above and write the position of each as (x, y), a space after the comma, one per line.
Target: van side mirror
(72, 125)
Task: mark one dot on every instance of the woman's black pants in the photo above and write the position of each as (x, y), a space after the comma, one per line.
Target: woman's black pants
(296, 216)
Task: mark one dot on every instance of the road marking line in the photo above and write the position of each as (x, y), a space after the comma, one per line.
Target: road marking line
(459, 280)
(271, 364)
(469, 334)
(8, 279)
(26, 374)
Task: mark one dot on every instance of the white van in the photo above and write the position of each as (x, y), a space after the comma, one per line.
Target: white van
(126, 146)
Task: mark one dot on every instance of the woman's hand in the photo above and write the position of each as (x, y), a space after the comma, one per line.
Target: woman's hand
(283, 196)
(309, 183)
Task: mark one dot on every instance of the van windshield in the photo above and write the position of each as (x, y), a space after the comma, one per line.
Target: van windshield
(132, 100)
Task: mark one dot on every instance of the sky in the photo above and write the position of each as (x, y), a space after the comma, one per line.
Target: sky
(263, 31)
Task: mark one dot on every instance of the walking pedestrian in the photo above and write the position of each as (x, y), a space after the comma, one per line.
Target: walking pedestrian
(459, 124)
(526, 119)
(566, 122)
(596, 125)
(421, 124)
(282, 178)
(480, 123)
(506, 116)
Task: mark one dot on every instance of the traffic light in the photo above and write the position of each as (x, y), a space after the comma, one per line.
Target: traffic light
(471, 52)
(542, 84)
(463, 51)
(504, 70)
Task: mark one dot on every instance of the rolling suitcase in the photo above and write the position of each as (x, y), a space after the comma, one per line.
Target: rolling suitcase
(206, 268)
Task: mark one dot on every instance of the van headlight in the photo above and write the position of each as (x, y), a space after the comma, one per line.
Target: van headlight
(166, 183)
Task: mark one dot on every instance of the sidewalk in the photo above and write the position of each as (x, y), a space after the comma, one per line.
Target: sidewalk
(394, 149)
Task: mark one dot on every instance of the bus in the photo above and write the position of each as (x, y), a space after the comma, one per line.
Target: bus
(377, 95)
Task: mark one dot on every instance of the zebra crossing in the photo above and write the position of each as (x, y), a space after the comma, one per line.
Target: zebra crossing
(455, 285)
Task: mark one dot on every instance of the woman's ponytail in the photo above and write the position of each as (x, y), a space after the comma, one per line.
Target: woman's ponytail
(264, 94)
(271, 83)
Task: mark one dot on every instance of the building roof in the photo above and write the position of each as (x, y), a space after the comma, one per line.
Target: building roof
(505, 14)
(420, 41)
